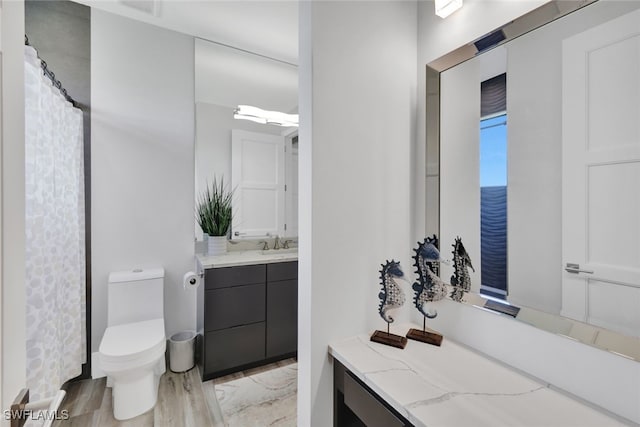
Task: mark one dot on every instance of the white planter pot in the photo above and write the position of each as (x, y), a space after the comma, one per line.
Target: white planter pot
(216, 245)
(205, 243)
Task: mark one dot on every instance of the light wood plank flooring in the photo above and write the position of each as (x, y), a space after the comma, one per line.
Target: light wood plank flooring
(183, 400)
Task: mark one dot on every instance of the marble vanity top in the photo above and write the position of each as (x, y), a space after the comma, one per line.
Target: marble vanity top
(452, 385)
(236, 258)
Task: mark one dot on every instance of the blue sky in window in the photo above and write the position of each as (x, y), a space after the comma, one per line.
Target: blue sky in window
(493, 151)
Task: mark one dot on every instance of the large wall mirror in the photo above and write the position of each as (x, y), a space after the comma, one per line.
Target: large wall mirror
(258, 161)
(533, 159)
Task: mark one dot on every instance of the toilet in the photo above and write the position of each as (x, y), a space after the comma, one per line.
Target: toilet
(132, 350)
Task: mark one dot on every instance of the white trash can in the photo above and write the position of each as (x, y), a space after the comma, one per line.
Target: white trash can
(181, 350)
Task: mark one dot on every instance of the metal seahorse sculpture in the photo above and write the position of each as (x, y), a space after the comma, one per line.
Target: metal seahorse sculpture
(428, 288)
(391, 297)
(460, 280)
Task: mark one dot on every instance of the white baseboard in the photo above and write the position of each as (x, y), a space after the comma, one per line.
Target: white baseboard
(96, 372)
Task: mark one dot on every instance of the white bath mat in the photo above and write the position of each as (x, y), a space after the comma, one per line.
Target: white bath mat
(260, 400)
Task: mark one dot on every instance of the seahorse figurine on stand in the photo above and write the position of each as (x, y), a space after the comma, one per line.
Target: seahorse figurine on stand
(460, 281)
(391, 298)
(429, 287)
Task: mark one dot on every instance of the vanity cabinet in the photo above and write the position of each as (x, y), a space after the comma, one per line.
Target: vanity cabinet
(426, 385)
(249, 316)
(356, 405)
(282, 309)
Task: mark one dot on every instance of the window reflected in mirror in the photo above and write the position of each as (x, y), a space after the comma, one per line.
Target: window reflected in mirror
(493, 188)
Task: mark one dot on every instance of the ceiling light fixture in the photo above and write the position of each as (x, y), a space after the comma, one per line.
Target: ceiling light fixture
(445, 8)
(258, 115)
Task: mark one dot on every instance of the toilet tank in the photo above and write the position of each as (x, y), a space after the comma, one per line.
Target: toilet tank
(135, 296)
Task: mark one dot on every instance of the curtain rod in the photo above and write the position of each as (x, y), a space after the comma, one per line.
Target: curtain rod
(51, 76)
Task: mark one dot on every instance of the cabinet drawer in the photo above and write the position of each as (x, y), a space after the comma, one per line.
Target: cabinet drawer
(215, 278)
(234, 347)
(282, 271)
(235, 306)
(365, 405)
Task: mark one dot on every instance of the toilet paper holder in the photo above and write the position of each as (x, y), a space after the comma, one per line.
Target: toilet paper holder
(192, 280)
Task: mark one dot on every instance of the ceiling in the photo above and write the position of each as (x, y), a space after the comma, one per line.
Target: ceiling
(266, 27)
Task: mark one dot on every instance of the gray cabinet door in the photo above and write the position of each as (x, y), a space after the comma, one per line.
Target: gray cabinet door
(282, 271)
(282, 317)
(229, 348)
(228, 307)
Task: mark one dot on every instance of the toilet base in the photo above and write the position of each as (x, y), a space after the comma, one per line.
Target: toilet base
(134, 393)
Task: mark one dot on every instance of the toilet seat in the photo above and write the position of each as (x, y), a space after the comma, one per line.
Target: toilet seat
(130, 345)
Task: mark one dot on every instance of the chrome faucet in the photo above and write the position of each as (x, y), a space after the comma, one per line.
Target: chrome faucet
(276, 244)
(285, 245)
(265, 245)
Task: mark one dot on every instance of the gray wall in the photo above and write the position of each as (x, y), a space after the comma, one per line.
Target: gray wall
(142, 94)
(61, 33)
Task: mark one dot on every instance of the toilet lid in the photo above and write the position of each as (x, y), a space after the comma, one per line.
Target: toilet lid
(132, 338)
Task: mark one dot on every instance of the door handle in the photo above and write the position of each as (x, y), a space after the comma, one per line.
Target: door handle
(575, 269)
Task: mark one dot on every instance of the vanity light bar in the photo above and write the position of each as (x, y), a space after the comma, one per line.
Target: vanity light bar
(445, 8)
(258, 115)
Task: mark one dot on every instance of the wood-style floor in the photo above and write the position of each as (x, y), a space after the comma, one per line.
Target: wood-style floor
(183, 401)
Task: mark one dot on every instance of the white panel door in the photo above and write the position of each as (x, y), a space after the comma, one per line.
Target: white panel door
(601, 175)
(258, 177)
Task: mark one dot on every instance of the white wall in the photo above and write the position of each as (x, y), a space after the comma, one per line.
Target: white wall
(534, 131)
(460, 168)
(459, 157)
(243, 24)
(437, 37)
(595, 375)
(142, 167)
(231, 77)
(357, 103)
(534, 103)
(12, 264)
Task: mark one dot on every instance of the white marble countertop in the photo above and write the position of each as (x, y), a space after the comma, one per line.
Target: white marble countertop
(236, 258)
(452, 385)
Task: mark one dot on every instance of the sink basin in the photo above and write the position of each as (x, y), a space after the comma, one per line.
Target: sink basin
(280, 251)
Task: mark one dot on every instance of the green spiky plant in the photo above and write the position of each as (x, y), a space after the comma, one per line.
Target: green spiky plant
(214, 210)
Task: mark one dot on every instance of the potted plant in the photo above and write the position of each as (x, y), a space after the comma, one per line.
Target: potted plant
(214, 214)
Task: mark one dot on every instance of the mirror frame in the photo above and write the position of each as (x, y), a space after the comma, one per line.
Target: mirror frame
(537, 18)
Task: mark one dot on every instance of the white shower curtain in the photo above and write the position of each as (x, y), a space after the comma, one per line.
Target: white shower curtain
(55, 241)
